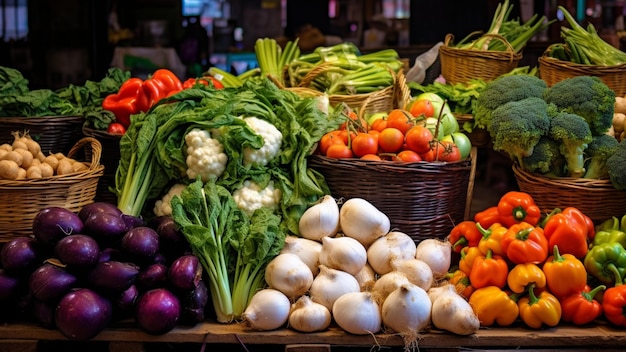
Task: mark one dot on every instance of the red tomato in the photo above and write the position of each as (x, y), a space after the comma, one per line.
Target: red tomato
(408, 156)
(391, 140)
(419, 139)
(328, 139)
(435, 153)
(400, 119)
(421, 107)
(450, 151)
(339, 151)
(355, 120)
(364, 143)
(379, 124)
(116, 128)
(371, 157)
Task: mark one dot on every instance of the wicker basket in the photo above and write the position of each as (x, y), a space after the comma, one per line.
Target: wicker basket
(110, 159)
(462, 65)
(71, 191)
(597, 199)
(553, 70)
(53, 133)
(422, 199)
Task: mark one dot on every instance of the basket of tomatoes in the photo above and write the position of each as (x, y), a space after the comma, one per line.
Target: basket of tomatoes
(420, 177)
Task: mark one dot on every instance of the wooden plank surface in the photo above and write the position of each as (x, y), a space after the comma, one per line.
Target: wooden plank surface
(601, 335)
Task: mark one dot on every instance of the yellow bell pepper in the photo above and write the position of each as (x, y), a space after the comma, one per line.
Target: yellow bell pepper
(538, 310)
(491, 238)
(493, 305)
(524, 275)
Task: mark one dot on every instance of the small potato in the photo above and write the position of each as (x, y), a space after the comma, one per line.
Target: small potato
(14, 156)
(41, 156)
(19, 144)
(46, 170)
(21, 174)
(6, 147)
(9, 170)
(65, 167)
(52, 161)
(33, 172)
(79, 167)
(27, 158)
(3, 153)
(59, 156)
(620, 104)
(619, 120)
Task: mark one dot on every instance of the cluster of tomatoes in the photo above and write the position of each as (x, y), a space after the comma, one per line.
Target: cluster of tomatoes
(402, 134)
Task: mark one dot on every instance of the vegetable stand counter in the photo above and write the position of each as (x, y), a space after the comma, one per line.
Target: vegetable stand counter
(23, 337)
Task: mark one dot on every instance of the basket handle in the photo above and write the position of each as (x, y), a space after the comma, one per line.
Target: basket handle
(311, 75)
(96, 150)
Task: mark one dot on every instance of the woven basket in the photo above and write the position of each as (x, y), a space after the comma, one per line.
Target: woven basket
(553, 70)
(110, 159)
(53, 133)
(479, 136)
(71, 191)
(597, 199)
(421, 199)
(463, 65)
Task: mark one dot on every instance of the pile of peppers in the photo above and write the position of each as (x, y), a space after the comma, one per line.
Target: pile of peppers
(517, 264)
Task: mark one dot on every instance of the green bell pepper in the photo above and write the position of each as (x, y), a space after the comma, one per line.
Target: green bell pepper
(608, 236)
(613, 224)
(607, 262)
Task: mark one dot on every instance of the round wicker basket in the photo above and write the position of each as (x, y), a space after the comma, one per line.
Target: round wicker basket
(53, 133)
(597, 199)
(71, 191)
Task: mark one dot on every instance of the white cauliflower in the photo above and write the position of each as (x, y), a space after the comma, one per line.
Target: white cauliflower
(163, 206)
(251, 197)
(272, 141)
(205, 155)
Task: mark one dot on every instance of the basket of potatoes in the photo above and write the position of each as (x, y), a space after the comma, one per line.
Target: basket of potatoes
(619, 118)
(31, 180)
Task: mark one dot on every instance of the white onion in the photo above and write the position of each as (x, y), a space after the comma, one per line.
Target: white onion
(389, 282)
(437, 254)
(417, 271)
(320, 220)
(360, 219)
(366, 277)
(407, 311)
(331, 283)
(289, 274)
(343, 253)
(309, 316)
(395, 245)
(452, 312)
(308, 250)
(268, 309)
(357, 313)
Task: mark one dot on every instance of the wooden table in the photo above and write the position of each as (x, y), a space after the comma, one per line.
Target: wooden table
(127, 338)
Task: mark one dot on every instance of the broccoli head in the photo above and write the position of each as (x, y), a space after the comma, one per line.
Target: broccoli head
(616, 165)
(586, 96)
(546, 158)
(502, 90)
(599, 149)
(517, 126)
(573, 134)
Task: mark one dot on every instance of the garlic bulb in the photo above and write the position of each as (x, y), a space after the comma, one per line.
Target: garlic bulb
(320, 220)
(289, 274)
(343, 253)
(308, 251)
(395, 245)
(330, 284)
(308, 316)
(361, 220)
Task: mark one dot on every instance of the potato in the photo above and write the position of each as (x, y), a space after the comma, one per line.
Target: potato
(59, 156)
(65, 167)
(619, 120)
(620, 104)
(46, 170)
(27, 158)
(79, 167)
(14, 156)
(52, 161)
(9, 170)
(33, 172)
(6, 147)
(21, 174)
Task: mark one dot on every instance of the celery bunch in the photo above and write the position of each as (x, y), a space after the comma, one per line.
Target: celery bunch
(272, 59)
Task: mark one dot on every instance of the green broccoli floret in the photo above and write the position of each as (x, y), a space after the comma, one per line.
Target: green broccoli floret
(517, 126)
(503, 90)
(599, 149)
(546, 158)
(586, 96)
(573, 134)
(616, 164)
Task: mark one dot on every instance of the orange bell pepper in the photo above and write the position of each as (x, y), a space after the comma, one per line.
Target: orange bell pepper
(525, 275)
(565, 274)
(493, 305)
(487, 217)
(492, 238)
(515, 207)
(582, 308)
(468, 256)
(464, 234)
(525, 243)
(614, 305)
(538, 310)
(489, 270)
(568, 230)
(461, 283)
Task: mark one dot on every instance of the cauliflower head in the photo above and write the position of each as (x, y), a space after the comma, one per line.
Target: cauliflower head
(251, 197)
(205, 155)
(163, 206)
(272, 141)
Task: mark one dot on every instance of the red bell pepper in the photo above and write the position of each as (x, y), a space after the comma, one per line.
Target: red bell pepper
(464, 234)
(488, 217)
(567, 230)
(129, 100)
(161, 84)
(582, 308)
(614, 304)
(525, 243)
(205, 80)
(515, 207)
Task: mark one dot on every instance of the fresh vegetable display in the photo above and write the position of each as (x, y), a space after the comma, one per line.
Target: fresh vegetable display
(81, 272)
